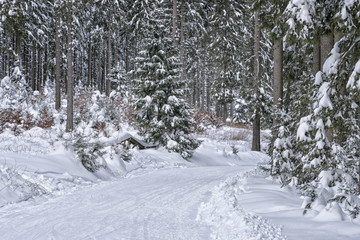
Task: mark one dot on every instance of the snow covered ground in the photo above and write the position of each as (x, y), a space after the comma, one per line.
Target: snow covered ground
(46, 194)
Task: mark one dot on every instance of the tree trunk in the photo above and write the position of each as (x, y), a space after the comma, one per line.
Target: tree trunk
(45, 64)
(89, 82)
(116, 44)
(174, 22)
(208, 90)
(278, 73)
(316, 57)
(327, 43)
(108, 68)
(225, 112)
(204, 77)
(126, 52)
(182, 41)
(256, 123)
(33, 66)
(39, 70)
(99, 70)
(58, 59)
(18, 48)
(70, 87)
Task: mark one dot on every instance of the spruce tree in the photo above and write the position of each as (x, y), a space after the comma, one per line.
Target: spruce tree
(161, 111)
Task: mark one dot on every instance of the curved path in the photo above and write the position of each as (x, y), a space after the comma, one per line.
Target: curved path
(162, 204)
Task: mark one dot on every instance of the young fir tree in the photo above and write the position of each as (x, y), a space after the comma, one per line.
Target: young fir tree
(118, 80)
(162, 114)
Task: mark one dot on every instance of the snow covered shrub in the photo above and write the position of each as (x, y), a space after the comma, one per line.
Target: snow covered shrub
(102, 114)
(17, 121)
(97, 119)
(15, 188)
(20, 110)
(89, 153)
(205, 120)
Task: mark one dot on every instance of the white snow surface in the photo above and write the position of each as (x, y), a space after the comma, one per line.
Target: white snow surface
(215, 195)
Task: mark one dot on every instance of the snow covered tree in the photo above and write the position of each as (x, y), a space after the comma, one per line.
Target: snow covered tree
(118, 80)
(161, 111)
(224, 36)
(327, 152)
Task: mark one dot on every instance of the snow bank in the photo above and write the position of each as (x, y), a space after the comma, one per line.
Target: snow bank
(32, 165)
(228, 220)
(33, 141)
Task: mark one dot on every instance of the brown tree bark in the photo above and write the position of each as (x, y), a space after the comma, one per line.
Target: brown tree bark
(70, 87)
(33, 66)
(256, 124)
(316, 64)
(278, 73)
(108, 68)
(39, 70)
(327, 43)
(174, 22)
(182, 41)
(57, 64)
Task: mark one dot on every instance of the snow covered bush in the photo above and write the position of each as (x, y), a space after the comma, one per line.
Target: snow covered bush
(98, 119)
(19, 109)
(14, 187)
(206, 120)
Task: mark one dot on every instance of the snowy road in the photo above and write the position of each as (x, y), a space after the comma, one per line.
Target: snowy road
(162, 204)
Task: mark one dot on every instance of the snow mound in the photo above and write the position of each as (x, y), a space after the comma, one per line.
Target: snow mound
(33, 141)
(25, 176)
(228, 220)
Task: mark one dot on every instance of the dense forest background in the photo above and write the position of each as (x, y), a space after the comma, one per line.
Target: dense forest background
(291, 65)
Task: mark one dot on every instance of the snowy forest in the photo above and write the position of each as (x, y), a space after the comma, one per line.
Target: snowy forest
(83, 72)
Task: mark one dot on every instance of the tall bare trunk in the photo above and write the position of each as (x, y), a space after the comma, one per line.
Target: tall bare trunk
(115, 49)
(99, 70)
(316, 57)
(33, 66)
(39, 70)
(256, 123)
(327, 43)
(127, 69)
(70, 87)
(278, 73)
(225, 112)
(108, 68)
(278, 85)
(45, 64)
(174, 22)
(18, 48)
(182, 41)
(57, 66)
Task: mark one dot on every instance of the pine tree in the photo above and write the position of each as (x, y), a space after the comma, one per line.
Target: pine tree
(162, 114)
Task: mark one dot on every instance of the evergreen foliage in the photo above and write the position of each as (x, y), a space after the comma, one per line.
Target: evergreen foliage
(162, 113)
(323, 127)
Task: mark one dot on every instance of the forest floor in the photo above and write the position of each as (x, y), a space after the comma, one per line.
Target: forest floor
(46, 194)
